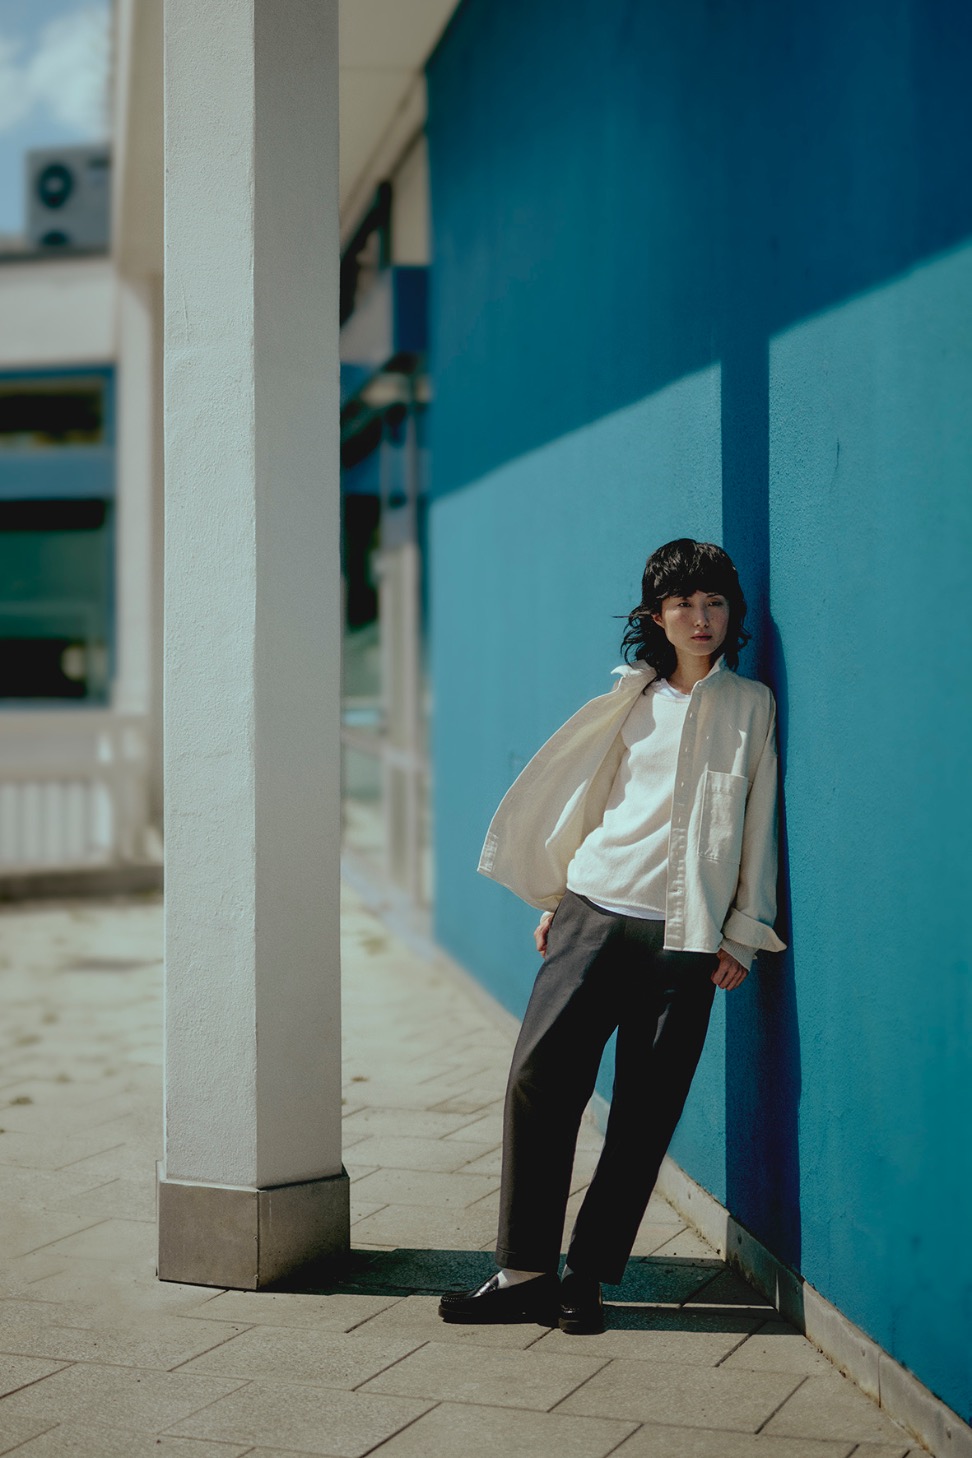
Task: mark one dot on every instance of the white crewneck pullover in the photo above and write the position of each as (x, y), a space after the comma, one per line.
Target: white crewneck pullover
(622, 865)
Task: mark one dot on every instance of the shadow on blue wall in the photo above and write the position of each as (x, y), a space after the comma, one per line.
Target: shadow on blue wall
(762, 1025)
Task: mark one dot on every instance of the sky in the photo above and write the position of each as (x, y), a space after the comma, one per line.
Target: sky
(54, 69)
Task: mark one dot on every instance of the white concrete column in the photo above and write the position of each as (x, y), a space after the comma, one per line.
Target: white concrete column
(252, 1183)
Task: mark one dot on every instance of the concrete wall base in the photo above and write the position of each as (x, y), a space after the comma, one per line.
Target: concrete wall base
(897, 1390)
(244, 1238)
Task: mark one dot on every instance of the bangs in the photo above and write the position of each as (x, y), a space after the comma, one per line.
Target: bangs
(686, 589)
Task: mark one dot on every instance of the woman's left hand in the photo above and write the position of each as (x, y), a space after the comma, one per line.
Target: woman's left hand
(729, 972)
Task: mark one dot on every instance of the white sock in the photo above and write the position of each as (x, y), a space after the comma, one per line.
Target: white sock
(509, 1277)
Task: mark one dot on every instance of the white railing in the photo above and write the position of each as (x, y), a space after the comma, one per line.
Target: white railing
(73, 788)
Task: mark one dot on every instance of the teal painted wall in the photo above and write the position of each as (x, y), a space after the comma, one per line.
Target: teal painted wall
(704, 269)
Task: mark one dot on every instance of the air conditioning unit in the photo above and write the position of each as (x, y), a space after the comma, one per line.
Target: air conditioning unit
(68, 197)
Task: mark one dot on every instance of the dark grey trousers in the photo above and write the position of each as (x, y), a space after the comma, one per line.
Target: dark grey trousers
(602, 971)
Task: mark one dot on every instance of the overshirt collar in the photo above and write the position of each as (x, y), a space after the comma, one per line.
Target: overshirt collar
(646, 674)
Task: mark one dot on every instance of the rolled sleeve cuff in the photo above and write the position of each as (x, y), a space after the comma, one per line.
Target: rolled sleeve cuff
(755, 935)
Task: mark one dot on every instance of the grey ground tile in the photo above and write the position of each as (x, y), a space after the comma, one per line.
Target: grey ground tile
(401, 1271)
(110, 1240)
(653, 1239)
(359, 1171)
(121, 1199)
(728, 1289)
(333, 1313)
(422, 1225)
(490, 1163)
(94, 1440)
(830, 1406)
(669, 1392)
(319, 1420)
(108, 1288)
(485, 1432)
(121, 1161)
(890, 1450)
(413, 1123)
(388, 1094)
(16, 1431)
(489, 1375)
(652, 1281)
(416, 1317)
(53, 1151)
(778, 1347)
(122, 1397)
(477, 1099)
(658, 1441)
(687, 1245)
(68, 1334)
(660, 1212)
(702, 1338)
(19, 1372)
(488, 1130)
(298, 1354)
(402, 1152)
(57, 1115)
(409, 1187)
(360, 1211)
(22, 1275)
(26, 1231)
(45, 1189)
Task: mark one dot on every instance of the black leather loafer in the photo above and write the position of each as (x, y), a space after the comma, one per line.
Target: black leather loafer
(581, 1305)
(534, 1300)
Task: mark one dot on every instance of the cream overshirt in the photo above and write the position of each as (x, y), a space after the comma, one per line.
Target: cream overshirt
(722, 858)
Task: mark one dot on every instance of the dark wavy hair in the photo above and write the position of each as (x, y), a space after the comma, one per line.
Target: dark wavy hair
(678, 569)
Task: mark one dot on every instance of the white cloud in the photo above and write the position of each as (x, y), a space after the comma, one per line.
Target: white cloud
(65, 73)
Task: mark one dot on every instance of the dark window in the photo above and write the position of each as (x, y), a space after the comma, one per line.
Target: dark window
(51, 413)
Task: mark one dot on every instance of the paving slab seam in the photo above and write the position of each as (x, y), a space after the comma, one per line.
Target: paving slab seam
(166, 1431)
(394, 1363)
(237, 1331)
(62, 1367)
(391, 1436)
(744, 1338)
(583, 1383)
(82, 1231)
(770, 1416)
(109, 1149)
(33, 1438)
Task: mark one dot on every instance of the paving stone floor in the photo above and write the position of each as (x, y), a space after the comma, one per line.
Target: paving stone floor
(100, 1360)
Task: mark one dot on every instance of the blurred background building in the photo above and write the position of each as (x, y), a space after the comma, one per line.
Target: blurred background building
(80, 553)
(663, 270)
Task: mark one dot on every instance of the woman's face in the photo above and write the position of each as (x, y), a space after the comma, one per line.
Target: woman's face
(695, 624)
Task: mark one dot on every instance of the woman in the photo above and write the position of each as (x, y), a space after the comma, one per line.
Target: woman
(645, 830)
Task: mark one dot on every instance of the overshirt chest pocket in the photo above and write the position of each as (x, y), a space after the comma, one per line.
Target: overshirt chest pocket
(722, 817)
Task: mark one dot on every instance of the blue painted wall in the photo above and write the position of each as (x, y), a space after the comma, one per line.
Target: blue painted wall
(704, 269)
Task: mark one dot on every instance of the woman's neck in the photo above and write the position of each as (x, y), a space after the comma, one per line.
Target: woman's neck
(689, 671)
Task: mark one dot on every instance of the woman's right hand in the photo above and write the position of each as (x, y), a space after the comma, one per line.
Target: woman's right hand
(540, 935)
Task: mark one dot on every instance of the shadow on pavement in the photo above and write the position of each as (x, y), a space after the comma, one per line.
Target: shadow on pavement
(657, 1293)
